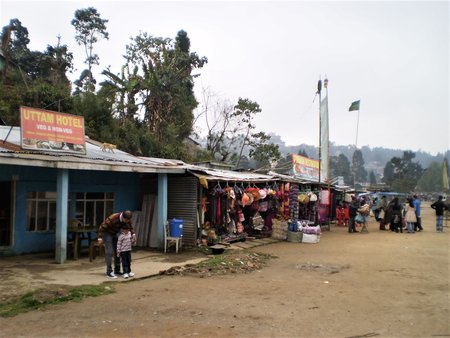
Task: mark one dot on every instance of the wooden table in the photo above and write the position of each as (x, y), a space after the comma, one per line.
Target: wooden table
(76, 234)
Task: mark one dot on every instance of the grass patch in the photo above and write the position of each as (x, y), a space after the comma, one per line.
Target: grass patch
(42, 297)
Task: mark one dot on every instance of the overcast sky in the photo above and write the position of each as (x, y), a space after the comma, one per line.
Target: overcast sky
(391, 55)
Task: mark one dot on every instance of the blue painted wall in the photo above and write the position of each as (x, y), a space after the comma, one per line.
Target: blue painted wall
(125, 186)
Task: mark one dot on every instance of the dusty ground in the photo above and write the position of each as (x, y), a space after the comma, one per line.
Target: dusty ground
(348, 285)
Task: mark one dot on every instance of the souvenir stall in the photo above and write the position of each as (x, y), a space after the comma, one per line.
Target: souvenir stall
(235, 205)
(298, 210)
(341, 199)
(302, 226)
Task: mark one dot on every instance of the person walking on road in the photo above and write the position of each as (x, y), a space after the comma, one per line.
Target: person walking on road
(439, 207)
(382, 215)
(410, 216)
(108, 234)
(417, 202)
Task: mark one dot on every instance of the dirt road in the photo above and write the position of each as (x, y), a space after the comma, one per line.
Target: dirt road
(348, 285)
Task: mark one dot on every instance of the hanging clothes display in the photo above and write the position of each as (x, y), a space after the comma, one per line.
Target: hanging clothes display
(293, 201)
(324, 197)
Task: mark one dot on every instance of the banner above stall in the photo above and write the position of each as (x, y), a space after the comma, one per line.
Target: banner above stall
(305, 167)
(45, 130)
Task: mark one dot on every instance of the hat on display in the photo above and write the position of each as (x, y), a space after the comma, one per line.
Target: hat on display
(245, 199)
(262, 193)
(303, 198)
(312, 197)
(255, 193)
(251, 198)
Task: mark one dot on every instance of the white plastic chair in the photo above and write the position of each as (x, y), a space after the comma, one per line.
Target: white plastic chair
(170, 240)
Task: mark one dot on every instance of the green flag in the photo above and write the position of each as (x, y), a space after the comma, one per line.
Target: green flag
(354, 106)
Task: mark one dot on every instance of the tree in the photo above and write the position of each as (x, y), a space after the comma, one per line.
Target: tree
(265, 153)
(402, 173)
(284, 165)
(431, 180)
(372, 178)
(302, 152)
(123, 90)
(14, 46)
(388, 172)
(358, 170)
(221, 126)
(155, 92)
(340, 166)
(245, 110)
(89, 27)
(32, 78)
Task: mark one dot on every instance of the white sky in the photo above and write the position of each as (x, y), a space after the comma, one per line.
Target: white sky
(391, 55)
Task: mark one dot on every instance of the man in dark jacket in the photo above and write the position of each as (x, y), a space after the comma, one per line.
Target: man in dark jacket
(108, 234)
(439, 207)
(353, 211)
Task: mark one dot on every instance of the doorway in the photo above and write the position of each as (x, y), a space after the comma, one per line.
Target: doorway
(5, 214)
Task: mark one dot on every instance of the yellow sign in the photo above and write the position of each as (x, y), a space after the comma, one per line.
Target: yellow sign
(305, 167)
(51, 131)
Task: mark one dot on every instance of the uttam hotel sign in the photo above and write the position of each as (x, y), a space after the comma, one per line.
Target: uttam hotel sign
(51, 131)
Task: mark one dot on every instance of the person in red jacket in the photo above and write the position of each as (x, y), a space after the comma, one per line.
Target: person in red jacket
(108, 234)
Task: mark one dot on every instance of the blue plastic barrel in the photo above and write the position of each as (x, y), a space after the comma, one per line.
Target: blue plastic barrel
(176, 227)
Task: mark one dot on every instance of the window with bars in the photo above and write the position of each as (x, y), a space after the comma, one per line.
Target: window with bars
(90, 209)
(41, 211)
(93, 208)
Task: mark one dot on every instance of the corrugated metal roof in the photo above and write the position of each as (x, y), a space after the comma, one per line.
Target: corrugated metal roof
(293, 179)
(95, 158)
(223, 175)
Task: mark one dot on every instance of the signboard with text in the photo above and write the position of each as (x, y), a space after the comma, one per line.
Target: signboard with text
(51, 131)
(305, 167)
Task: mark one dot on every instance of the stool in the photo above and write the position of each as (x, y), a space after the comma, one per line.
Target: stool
(96, 249)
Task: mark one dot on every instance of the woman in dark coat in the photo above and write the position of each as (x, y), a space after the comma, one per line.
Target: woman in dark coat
(396, 215)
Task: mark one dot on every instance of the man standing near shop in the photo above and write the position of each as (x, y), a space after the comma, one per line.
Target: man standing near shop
(418, 224)
(108, 234)
(353, 210)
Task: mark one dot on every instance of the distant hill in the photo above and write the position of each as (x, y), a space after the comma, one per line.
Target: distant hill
(374, 158)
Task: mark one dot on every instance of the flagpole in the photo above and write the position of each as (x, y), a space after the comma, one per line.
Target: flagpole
(319, 91)
(355, 106)
(325, 84)
(357, 127)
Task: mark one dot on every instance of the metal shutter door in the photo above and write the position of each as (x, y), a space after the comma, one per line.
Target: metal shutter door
(182, 204)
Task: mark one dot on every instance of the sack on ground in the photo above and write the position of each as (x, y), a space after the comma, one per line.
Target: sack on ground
(310, 238)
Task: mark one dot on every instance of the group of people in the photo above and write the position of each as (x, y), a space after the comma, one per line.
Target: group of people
(118, 236)
(396, 217)
(391, 215)
(359, 211)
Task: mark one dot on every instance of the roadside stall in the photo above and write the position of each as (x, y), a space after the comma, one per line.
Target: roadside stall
(234, 205)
